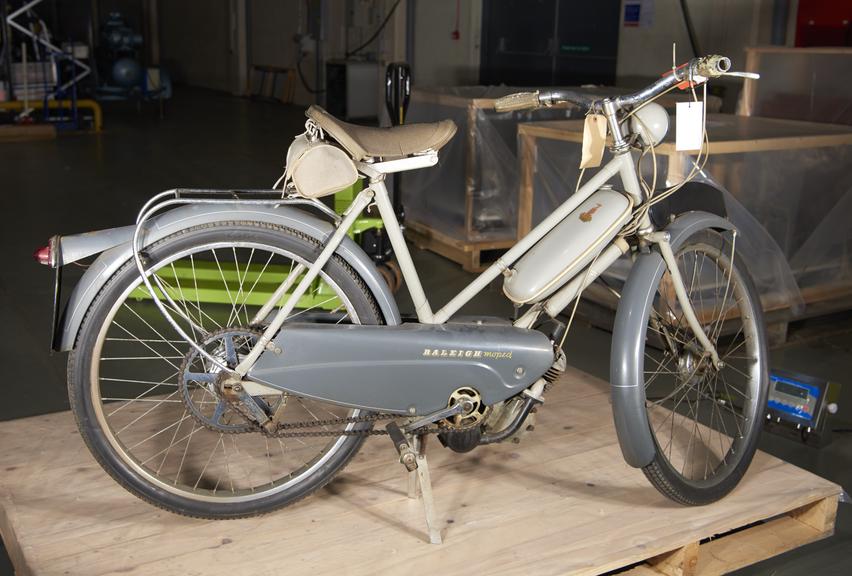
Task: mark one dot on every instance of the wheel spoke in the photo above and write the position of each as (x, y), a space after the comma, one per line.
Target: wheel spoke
(158, 399)
(701, 414)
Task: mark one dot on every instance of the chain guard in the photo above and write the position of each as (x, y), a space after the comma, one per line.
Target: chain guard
(229, 345)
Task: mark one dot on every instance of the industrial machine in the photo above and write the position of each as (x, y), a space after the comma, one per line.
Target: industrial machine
(120, 69)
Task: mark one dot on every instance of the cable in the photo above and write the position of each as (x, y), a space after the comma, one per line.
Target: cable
(698, 165)
(376, 33)
(580, 291)
(690, 31)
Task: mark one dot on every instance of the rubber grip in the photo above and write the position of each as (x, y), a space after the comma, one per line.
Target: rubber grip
(518, 101)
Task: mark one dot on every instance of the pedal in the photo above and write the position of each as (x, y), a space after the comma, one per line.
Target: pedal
(407, 456)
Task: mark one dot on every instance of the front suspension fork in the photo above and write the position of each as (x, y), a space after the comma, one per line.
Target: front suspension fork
(663, 241)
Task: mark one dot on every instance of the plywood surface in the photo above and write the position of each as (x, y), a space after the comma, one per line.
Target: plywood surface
(562, 501)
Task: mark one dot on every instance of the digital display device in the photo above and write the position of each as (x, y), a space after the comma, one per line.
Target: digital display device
(801, 403)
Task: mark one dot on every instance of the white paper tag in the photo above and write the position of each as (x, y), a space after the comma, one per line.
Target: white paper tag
(689, 126)
(594, 141)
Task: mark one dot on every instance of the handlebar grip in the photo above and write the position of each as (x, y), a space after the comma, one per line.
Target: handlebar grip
(713, 66)
(518, 101)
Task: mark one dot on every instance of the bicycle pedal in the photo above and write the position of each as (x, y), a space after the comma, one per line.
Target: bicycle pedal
(407, 456)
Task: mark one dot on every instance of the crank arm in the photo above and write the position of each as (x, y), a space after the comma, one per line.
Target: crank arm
(434, 416)
(234, 391)
(661, 239)
(257, 389)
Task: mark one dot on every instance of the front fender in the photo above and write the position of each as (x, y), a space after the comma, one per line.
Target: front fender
(627, 359)
(117, 241)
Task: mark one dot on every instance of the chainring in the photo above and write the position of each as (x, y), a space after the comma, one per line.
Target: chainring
(198, 381)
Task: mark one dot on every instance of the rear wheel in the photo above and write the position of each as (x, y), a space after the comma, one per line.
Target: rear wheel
(146, 403)
(705, 419)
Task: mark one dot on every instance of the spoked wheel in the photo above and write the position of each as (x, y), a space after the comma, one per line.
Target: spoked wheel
(147, 403)
(705, 419)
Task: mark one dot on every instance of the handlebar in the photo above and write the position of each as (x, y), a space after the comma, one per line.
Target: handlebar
(697, 70)
(518, 101)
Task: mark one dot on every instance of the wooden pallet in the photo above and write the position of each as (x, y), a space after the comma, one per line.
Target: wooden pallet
(561, 502)
(474, 256)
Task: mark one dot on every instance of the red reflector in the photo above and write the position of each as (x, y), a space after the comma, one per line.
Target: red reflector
(43, 255)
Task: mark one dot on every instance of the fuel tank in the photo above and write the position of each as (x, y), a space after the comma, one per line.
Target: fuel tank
(569, 247)
(406, 369)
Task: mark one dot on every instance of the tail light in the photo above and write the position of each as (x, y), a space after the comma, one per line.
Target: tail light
(47, 255)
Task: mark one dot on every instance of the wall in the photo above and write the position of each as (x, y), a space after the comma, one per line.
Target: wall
(721, 27)
(197, 42)
(440, 60)
(198, 48)
(271, 27)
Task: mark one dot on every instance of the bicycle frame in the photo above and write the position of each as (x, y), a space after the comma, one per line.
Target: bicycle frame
(621, 164)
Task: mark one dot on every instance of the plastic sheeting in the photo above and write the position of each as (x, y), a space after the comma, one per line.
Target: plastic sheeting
(800, 84)
(791, 206)
(472, 194)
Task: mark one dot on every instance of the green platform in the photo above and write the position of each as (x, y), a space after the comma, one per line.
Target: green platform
(207, 284)
(213, 283)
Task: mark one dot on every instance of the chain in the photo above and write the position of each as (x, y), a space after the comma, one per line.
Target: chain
(286, 430)
(296, 429)
(283, 430)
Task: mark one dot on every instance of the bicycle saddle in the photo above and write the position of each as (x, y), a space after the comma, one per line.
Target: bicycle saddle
(364, 142)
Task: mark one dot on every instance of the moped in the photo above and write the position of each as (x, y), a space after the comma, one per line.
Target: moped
(230, 352)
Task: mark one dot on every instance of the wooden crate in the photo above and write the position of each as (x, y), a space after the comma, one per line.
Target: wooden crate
(788, 87)
(561, 502)
(472, 108)
(474, 256)
(728, 135)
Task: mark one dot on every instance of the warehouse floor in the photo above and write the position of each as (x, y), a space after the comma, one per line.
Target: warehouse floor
(82, 182)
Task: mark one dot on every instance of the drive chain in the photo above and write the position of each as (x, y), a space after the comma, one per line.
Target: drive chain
(296, 429)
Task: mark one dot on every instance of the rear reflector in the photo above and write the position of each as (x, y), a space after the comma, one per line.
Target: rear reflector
(42, 255)
(47, 254)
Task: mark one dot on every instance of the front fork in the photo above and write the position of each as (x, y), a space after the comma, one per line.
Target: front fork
(662, 240)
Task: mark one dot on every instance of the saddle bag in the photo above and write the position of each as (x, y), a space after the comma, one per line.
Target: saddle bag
(317, 168)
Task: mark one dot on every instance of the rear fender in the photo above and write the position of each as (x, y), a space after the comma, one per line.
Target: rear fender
(116, 243)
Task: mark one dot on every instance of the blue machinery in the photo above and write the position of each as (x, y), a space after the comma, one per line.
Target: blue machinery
(48, 75)
(121, 72)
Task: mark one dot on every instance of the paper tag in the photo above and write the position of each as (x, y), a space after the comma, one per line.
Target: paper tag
(689, 126)
(594, 141)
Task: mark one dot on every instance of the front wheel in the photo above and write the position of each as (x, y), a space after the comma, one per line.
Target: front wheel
(705, 420)
(146, 404)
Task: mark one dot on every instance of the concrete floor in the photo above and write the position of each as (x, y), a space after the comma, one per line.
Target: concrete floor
(82, 182)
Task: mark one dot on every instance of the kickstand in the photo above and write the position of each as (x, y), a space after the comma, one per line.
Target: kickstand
(412, 454)
(425, 481)
(413, 488)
